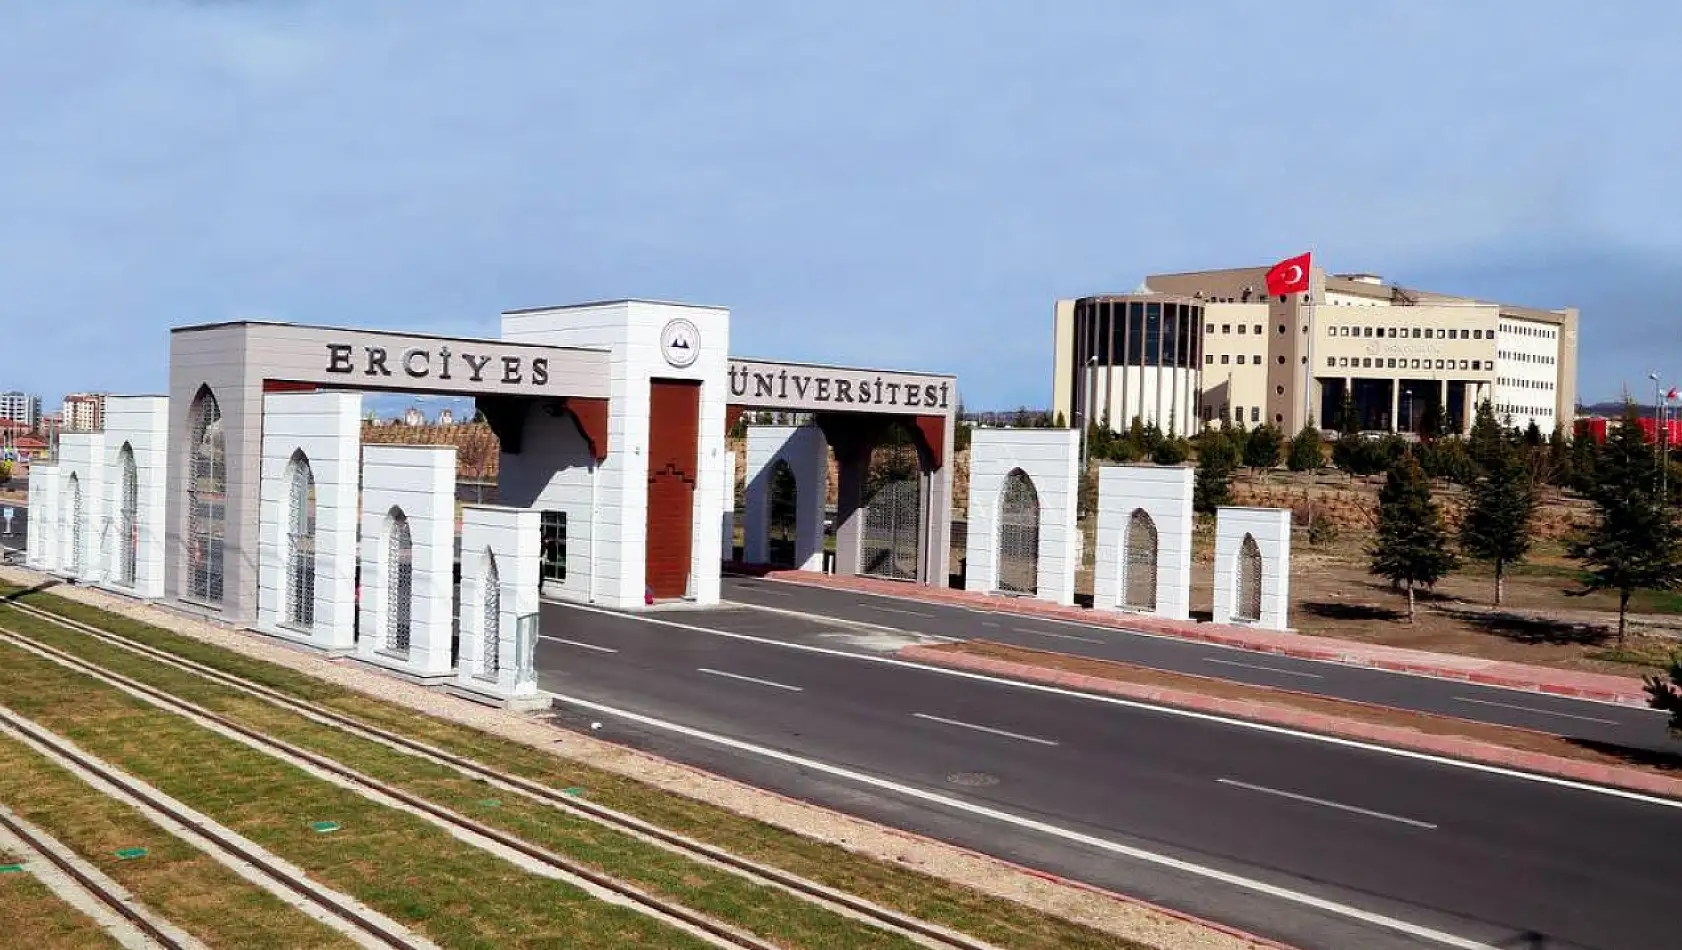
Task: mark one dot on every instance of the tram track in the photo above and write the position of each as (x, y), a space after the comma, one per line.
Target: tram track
(875, 915)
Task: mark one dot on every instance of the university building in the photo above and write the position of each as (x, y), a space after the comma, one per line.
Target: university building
(1187, 350)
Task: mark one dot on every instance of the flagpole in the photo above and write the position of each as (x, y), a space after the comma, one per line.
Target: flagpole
(1308, 370)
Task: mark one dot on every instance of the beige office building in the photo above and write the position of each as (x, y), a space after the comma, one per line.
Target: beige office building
(1289, 360)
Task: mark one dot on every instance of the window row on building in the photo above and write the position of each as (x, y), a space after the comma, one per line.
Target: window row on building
(1380, 362)
(1526, 383)
(1237, 413)
(1403, 333)
(1526, 357)
(1227, 328)
(1209, 358)
(1523, 412)
(1519, 329)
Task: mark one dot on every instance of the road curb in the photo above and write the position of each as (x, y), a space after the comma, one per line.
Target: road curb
(1450, 746)
(1599, 687)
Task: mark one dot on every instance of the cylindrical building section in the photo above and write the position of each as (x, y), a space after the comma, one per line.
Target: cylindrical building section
(1137, 356)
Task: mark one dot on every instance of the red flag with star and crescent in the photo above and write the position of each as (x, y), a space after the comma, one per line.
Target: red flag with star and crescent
(1289, 276)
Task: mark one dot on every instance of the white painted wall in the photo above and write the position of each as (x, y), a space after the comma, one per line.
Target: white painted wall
(631, 330)
(556, 471)
(327, 429)
(1051, 460)
(1271, 527)
(41, 546)
(807, 454)
(420, 481)
(727, 522)
(511, 536)
(142, 424)
(82, 462)
(1165, 495)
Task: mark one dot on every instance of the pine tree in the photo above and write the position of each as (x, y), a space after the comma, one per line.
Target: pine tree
(1533, 435)
(1216, 460)
(1499, 511)
(1348, 419)
(1634, 541)
(1060, 422)
(1411, 548)
(1488, 441)
(1261, 447)
(1431, 419)
(1305, 453)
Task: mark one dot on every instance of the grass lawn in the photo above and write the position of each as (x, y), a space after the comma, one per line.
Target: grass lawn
(410, 869)
(36, 918)
(176, 880)
(992, 919)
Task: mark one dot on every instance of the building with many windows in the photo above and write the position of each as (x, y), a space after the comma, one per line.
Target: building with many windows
(22, 408)
(84, 412)
(1289, 360)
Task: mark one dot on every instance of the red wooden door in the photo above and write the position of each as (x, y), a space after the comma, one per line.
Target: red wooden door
(674, 429)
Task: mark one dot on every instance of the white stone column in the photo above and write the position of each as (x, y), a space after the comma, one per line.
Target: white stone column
(1164, 495)
(41, 546)
(324, 431)
(1050, 458)
(727, 521)
(82, 464)
(1270, 530)
(139, 425)
(806, 453)
(417, 481)
(510, 536)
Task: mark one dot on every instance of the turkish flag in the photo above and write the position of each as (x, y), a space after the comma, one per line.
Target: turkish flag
(1289, 276)
(1671, 394)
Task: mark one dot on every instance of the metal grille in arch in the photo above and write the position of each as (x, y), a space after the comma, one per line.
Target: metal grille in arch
(491, 625)
(1247, 605)
(782, 527)
(74, 562)
(1019, 534)
(893, 510)
(400, 578)
(300, 545)
(128, 517)
(1139, 565)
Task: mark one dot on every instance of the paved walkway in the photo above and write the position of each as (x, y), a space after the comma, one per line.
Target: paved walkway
(1615, 689)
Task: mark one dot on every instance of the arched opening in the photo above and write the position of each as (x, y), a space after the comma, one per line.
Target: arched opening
(1019, 534)
(399, 581)
(72, 525)
(893, 508)
(781, 527)
(1247, 605)
(300, 543)
(490, 658)
(207, 500)
(1138, 581)
(128, 517)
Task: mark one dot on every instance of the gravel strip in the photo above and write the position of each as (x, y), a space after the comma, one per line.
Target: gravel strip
(1104, 911)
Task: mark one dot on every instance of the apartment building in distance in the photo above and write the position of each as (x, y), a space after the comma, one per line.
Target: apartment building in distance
(83, 412)
(1289, 359)
(21, 408)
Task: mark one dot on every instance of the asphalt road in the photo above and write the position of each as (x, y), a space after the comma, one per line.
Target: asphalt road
(1108, 792)
(1590, 722)
(20, 526)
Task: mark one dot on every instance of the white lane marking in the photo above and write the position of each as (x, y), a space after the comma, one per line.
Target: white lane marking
(910, 636)
(1533, 709)
(1040, 827)
(748, 679)
(895, 610)
(1329, 804)
(1270, 669)
(577, 643)
(1055, 636)
(770, 593)
(971, 725)
(1433, 759)
(989, 623)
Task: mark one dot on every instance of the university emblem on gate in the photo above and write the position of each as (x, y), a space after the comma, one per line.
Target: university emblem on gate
(680, 343)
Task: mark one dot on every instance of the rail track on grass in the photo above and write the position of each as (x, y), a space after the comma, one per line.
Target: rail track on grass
(922, 932)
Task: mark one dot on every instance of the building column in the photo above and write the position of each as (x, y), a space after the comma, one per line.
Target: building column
(853, 467)
(1395, 404)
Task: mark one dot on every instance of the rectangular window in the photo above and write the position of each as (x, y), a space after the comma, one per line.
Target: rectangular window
(1225, 359)
(1255, 413)
(554, 545)
(1331, 331)
(1208, 358)
(1258, 329)
(1241, 359)
(1331, 361)
(1210, 328)
(1390, 364)
(1135, 332)
(1477, 334)
(1343, 361)
(1477, 364)
(1241, 328)
(1226, 328)
(1441, 333)
(1464, 365)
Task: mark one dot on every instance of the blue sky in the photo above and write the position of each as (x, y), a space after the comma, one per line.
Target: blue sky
(904, 184)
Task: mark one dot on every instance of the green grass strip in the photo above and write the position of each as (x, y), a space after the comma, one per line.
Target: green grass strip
(413, 871)
(181, 883)
(995, 920)
(766, 911)
(35, 917)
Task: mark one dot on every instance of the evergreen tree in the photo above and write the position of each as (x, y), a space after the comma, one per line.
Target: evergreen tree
(1171, 451)
(1411, 548)
(1585, 452)
(1668, 695)
(1216, 460)
(1431, 418)
(1060, 422)
(1559, 458)
(1348, 420)
(1497, 521)
(1488, 441)
(1634, 541)
(1533, 435)
(1305, 453)
(1261, 447)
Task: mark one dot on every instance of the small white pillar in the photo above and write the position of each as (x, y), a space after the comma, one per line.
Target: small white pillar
(137, 433)
(415, 485)
(81, 469)
(804, 451)
(727, 522)
(491, 664)
(41, 546)
(1049, 459)
(1163, 495)
(323, 431)
(1269, 530)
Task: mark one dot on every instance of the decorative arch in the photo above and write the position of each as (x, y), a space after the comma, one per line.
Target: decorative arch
(1019, 534)
(490, 626)
(128, 516)
(71, 524)
(1139, 562)
(207, 499)
(1247, 603)
(399, 581)
(300, 542)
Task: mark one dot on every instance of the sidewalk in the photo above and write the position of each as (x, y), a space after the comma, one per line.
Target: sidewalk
(1541, 679)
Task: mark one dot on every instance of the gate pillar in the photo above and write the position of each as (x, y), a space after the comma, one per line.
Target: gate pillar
(1049, 460)
(803, 450)
(1254, 594)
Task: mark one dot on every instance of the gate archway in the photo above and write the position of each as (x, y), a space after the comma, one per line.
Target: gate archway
(1138, 582)
(782, 526)
(893, 509)
(1019, 534)
(1247, 605)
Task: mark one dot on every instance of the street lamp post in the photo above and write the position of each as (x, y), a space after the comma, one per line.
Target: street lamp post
(1086, 413)
(1660, 437)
